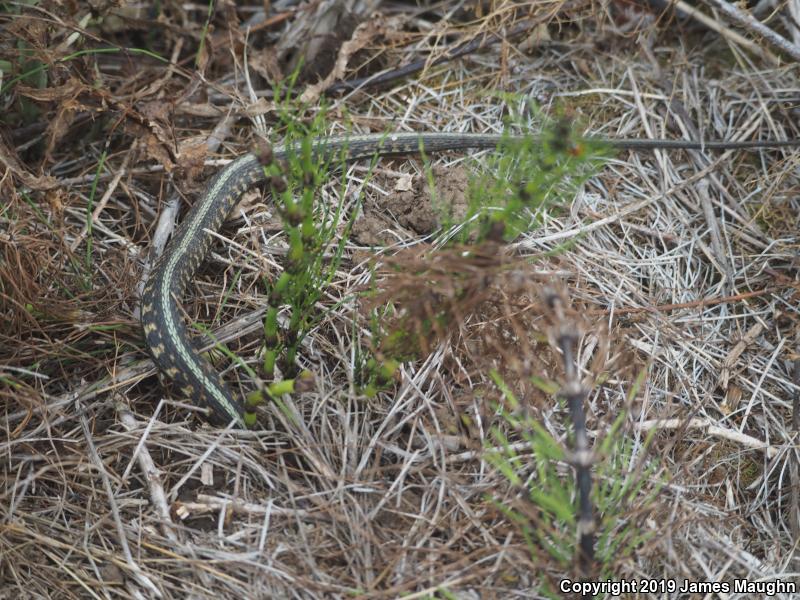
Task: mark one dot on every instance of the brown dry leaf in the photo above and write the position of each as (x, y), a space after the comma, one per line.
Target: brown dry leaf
(156, 110)
(191, 157)
(265, 63)
(56, 199)
(195, 109)
(260, 107)
(204, 54)
(152, 147)
(157, 132)
(8, 159)
(34, 32)
(66, 97)
(539, 34)
(732, 399)
(60, 93)
(155, 149)
(364, 34)
(59, 126)
(158, 115)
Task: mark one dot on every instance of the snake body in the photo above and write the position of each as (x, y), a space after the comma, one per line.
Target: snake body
(165, 331)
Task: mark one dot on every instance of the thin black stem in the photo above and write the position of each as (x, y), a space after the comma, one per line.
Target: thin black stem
(581, 459)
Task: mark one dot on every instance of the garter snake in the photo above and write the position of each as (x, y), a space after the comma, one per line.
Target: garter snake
(165, 332)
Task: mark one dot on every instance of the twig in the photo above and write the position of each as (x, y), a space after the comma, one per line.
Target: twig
(733, 356)
(173, 493)
(717, 247)
(151, 473)
(764, 371)
(123, 169)
(136, 571)
(259, 122)
(628, 310)
(710, 429)
(720, 28)
(794, 13)
(750, 22)
(794, 463)
(211, 504)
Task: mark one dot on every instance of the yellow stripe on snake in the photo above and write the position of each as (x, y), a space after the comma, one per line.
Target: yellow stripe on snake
(165, 332)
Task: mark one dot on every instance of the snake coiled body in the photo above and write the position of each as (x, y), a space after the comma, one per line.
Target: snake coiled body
(165, 331)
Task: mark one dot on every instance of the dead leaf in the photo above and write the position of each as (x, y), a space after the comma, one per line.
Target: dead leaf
(539, 34)
(191, 157)
(265, 63)
(56, 200)
(156, 110)
(8, 159)
(60, 93)
(66, 97)
(259, 107)
(155, 149)
(362, 37)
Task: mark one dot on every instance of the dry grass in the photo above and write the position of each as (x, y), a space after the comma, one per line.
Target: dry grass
(681, 264)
